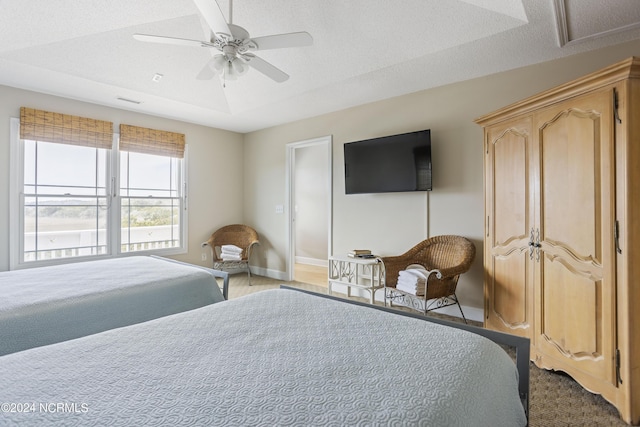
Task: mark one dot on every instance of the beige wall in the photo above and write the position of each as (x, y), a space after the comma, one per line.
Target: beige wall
(391, 223)
(215, 185)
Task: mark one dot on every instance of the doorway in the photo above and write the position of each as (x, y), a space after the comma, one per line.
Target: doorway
(309, 209)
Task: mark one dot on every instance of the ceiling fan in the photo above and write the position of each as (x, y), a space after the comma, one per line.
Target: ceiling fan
(234, 44)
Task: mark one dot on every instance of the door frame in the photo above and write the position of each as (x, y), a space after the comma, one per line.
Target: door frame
(326, 141)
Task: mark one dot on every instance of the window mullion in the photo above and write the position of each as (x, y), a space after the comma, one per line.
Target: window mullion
(36, 239)
(114, 201)
(97, 193)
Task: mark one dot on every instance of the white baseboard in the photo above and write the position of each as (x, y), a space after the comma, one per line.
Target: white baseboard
(267, 272)
(312, 261)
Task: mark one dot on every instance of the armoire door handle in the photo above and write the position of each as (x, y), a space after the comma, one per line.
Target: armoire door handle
(531, 244)
(534, 244)
(616, 236)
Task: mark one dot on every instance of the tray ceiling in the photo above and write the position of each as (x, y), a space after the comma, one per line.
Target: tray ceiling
(363, 51)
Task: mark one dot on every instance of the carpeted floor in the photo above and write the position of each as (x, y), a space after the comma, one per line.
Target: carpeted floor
(555, 399)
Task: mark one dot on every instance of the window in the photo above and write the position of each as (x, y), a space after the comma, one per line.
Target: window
(82, 196)
(65, 212)
(150, 202)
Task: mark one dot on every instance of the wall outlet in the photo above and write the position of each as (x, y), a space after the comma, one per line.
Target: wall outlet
(203, 257)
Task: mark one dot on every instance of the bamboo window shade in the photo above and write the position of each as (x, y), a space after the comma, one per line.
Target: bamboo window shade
(151, 141)
(39, 125)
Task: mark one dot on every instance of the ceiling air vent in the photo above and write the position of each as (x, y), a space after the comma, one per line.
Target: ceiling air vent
(133, 101)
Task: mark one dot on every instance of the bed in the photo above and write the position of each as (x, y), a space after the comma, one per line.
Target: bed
(45, 305)
(276, 357)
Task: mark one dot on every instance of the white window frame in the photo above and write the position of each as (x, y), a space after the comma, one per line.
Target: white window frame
(16, 202)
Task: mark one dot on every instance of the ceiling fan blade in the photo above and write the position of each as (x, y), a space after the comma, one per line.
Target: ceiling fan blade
(283, 40)
(266, 68)
(171, 40)
(211, 12)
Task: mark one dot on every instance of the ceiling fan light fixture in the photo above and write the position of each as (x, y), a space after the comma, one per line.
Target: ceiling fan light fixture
(229, 73)
(219, 62)
(239, 67)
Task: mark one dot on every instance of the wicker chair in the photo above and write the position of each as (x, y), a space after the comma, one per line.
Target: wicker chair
(451, 256)
(239, 235)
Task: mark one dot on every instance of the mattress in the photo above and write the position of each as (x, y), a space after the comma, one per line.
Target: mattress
(276, 357)
(46, 305)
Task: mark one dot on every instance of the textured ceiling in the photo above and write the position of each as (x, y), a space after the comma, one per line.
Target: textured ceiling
(363, 50)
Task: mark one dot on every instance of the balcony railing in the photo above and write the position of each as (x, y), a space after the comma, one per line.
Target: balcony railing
(76, 243)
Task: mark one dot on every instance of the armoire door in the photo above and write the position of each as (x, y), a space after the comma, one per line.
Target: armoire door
(574, 247)
(509, 206)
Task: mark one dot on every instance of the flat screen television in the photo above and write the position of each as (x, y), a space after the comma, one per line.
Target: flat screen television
(389, 164)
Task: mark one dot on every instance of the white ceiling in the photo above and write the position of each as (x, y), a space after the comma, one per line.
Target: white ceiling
(363, 51)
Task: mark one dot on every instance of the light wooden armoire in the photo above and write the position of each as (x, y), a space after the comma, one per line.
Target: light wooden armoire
(562, 229)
